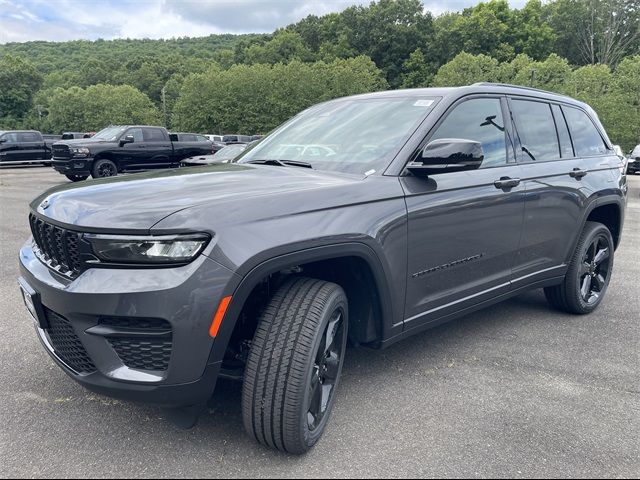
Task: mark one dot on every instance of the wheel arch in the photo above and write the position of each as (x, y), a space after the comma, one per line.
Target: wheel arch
(105, 156)
(606, 210)
(369, 327)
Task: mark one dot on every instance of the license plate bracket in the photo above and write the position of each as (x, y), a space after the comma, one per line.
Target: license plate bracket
(31, 300)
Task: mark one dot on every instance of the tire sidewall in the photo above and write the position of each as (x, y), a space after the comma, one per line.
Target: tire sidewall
(337, 300)
(98, 164)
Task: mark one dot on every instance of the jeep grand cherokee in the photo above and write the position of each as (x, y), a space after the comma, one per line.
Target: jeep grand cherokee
(413, 208)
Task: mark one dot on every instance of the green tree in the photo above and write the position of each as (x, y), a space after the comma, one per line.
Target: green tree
(417, 71)
(257, 98)
(283, 47)
(19, 81)
(466, 69)
(98, 106)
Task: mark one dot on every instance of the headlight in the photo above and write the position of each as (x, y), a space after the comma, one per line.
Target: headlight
(80, 152)
(166, 249)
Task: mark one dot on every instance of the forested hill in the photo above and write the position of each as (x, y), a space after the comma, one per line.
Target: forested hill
(588, 49)
(55, 56)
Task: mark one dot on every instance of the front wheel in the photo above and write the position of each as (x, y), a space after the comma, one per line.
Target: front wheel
(77, 178)
(104, 168)
(295, 364)
(587, 279)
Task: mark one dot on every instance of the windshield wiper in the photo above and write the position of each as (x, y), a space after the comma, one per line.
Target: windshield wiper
(282, 163)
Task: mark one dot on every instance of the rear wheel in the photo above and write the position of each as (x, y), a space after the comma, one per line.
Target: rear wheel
(77, 178)
(295, 364)
(104, 168)
(587, 279)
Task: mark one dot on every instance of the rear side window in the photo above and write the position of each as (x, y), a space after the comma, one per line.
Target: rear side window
(154, 135)
(480, 120)
(28, 137)
(586, 139)
(563, 132)
(537, 131)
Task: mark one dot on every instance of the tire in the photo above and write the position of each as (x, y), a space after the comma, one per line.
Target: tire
(290, 380)
(586, 282)
(77, 178)
(104, 168)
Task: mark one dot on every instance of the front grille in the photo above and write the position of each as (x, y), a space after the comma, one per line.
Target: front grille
(66, 344)
(56, 247)
(149, 349)
(61, 151)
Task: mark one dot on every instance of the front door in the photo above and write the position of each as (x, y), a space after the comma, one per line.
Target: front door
(464, 227)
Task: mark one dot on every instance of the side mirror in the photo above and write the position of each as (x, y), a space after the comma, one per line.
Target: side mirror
(448, 155)
(126, 139)
(3, 140)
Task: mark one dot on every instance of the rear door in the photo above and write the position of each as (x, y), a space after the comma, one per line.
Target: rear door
(558, 178)
(31, 146)
(158, 146)
(463, 228)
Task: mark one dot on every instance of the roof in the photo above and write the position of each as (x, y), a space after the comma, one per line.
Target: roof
(483, 87)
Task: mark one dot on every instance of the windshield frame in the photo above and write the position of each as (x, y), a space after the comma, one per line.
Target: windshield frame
(386, 160)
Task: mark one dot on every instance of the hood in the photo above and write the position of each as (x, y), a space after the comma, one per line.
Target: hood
(82, 142)
(135, 203)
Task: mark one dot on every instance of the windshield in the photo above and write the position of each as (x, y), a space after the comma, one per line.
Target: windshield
(350, 136)
(110, 134)
(230, 152)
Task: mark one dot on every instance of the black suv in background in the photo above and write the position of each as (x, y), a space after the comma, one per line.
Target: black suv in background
(401, 210)
(123, 148)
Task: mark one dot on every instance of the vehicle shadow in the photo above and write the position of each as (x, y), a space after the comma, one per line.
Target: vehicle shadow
(433, 348)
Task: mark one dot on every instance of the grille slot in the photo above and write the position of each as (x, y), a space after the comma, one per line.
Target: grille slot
(147, 348)
(61, 151)
(56, 247)
(143, 353)
(66, 344)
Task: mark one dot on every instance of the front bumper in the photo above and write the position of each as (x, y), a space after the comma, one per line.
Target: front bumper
(73, 166)
(82, 339)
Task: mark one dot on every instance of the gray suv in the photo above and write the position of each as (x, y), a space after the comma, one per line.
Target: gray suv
(412, 208)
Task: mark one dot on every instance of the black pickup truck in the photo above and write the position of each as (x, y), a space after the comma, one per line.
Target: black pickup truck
(122, 148)
(23, 146)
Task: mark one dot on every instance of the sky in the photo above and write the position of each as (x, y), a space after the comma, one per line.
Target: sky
(60, 20)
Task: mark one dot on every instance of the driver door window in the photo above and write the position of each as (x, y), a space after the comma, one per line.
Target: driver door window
(481, 120)
(137, 134)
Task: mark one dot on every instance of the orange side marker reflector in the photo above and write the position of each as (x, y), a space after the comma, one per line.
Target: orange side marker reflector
(219, 316)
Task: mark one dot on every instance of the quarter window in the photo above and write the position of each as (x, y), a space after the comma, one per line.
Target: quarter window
(586, 139)
(479, 120)
(537, 131)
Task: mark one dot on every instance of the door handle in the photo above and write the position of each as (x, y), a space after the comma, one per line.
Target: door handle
(506, 183)
(578, 173)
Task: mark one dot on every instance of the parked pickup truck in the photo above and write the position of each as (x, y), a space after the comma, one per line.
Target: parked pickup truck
(24, 146)
(122, 148)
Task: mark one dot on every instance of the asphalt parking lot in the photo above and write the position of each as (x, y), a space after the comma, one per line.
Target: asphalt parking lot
(516, 390)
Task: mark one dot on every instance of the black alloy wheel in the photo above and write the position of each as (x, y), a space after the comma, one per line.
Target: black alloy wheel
(589, 273)
(326, 370)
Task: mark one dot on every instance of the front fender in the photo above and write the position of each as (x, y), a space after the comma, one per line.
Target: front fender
(258, 267)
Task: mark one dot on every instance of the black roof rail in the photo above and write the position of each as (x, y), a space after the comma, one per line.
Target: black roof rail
(508, 85)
